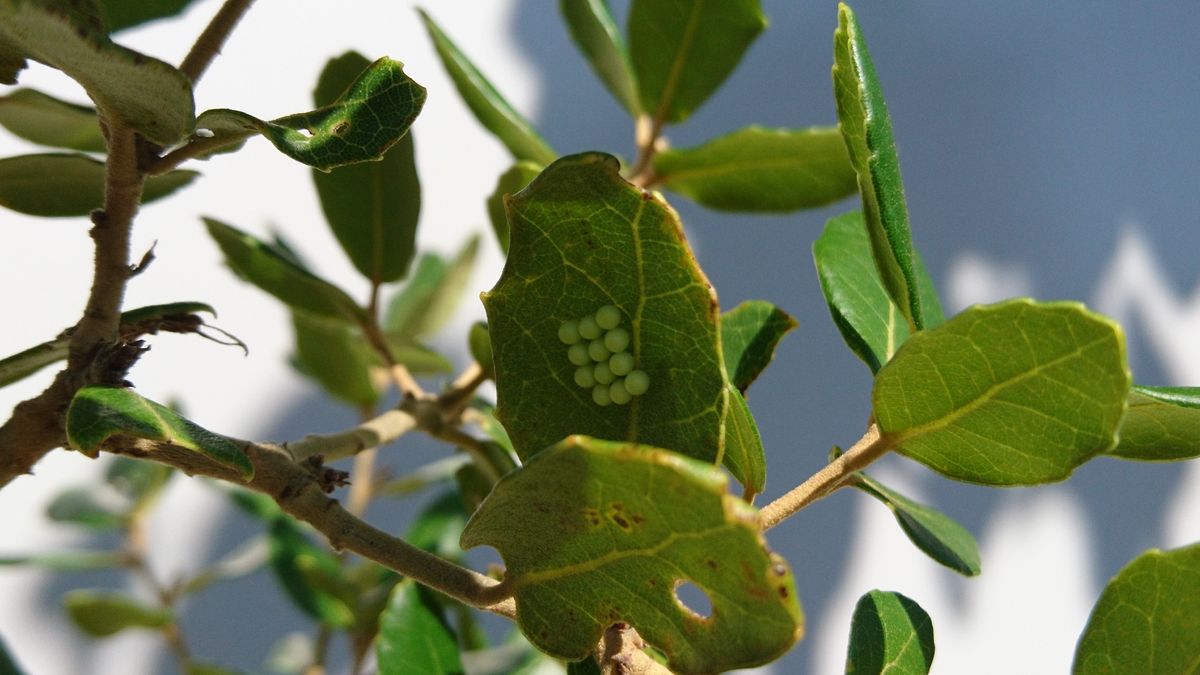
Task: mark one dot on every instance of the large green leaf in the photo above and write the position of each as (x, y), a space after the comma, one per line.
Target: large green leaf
(583, 239)
(372, 207)
(683, 50)
(1161, 423)
(135, 321)
(367, 119)
(64, 185)
(1015, 393)
(863, 120)
(337, 357)
(594, 533)
(45, 120)
(432, 294)
(274, 272)
(510, 182)
(99, 413)
(597, 36)
(930, 530)
(889, 634)
(488, 106)
(414, 637)
(749, 334)
(151, 96)
(104, 613)
(871, 324)
(764, 170)
(1147, 620)
(122, 14)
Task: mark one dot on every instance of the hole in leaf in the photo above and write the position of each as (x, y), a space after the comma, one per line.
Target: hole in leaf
(693, 599)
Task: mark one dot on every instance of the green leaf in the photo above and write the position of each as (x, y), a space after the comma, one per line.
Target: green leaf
(89, 507)
(99, 413)
(337, 357)
(247, 558)
(69, 561)
(889, 634)
(104, 613)
(930, 530)
(749, 334)
(1161, 424)
(414, 637)
(683, 50)
(488, 106)
(305, 572)
(45, 120)
(122, 14)
(360, 126)
(1015, 393)
(871, 324)
(151, 96)
(744, 454)
(140, 481)
(867, 130)
(568, 259)
(511, 182)
(762, 170)
(593, 533)
(8, 666)
(420, 359)
(372, 207)
(432, 294)
(136, 321)
(266, 267)
(63, 185)
(1147, 619)
(596, 34)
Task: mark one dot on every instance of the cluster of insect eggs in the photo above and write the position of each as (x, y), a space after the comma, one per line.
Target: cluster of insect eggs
(599, 350)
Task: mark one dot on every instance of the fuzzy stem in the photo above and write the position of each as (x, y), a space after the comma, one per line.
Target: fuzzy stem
(370, 434)
(869, 448)
(209, 44)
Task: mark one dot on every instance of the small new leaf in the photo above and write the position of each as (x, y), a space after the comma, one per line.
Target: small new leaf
(99, 413)
(372, 114)
(890, 634)
(510, 182)
(1015, 393)
(637, 521)
(1147, 620)
(867, 130)
(761, 170)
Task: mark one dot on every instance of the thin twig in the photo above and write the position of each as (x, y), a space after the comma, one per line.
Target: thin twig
(209, 44)
(194, 148)
(869, 448)
(299, 493)
(370, 434)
